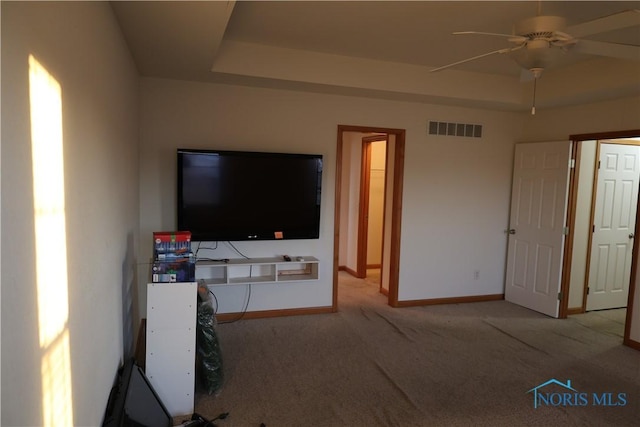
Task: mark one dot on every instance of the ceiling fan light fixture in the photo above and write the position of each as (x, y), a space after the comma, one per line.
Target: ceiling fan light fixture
(538, 54)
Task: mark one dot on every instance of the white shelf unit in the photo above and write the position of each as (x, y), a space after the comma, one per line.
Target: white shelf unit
(241, 271)
(171, 344)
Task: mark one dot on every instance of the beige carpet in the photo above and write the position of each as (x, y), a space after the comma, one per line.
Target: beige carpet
(447, 365)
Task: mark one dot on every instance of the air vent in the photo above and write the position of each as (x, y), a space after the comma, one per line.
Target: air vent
(455, 129)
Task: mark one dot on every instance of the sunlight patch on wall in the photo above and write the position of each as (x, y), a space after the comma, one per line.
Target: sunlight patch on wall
(56, 383)
(45, 97)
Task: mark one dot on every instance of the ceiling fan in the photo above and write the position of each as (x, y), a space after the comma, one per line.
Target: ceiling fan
(540, 41)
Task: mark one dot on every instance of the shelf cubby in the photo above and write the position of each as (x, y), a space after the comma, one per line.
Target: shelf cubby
(257, 270)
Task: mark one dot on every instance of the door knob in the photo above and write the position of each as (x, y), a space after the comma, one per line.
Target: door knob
(631, 235)
(512, 231)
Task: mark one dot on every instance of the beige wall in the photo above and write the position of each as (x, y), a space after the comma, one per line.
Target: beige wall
(558, 123)
(81, 46)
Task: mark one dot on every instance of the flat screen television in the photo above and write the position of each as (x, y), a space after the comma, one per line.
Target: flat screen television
(243, 195)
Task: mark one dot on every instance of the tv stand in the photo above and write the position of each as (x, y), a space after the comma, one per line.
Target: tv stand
(241, 271)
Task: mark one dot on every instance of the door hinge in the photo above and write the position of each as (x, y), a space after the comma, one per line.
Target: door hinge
(588, 288)
(565, 231)
(572, 163)
(598, 164)
(559, 296)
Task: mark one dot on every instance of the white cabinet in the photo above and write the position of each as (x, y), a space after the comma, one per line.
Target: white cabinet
(257, 270)
(171, 344)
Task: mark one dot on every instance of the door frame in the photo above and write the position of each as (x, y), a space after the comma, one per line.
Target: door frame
(396, 201)
(363, 213)
(571, 213)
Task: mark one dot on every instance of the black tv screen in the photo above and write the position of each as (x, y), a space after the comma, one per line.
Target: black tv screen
(241, 195)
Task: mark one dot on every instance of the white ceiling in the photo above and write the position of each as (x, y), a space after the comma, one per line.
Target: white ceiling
(187, 40)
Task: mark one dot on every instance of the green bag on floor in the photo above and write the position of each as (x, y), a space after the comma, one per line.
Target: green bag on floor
(209, 354)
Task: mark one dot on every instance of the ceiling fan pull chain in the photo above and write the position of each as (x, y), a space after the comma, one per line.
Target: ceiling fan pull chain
(533, 107)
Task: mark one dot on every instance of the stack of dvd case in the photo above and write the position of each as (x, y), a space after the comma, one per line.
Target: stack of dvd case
(173, 260)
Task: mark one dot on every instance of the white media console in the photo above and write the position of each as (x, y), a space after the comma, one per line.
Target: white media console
(257, 270)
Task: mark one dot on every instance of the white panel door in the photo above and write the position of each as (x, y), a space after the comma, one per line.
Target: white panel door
(536, 234)
(614, 226)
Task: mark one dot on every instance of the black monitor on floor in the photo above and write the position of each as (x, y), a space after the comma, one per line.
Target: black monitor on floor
(133, 402)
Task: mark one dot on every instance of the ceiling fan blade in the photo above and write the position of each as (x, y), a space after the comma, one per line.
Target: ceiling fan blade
(612, 50)
(506, 50)
(628, 18)
(511, 37)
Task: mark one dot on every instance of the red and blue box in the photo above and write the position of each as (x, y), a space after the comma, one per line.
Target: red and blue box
(171, 244)
(173, 260)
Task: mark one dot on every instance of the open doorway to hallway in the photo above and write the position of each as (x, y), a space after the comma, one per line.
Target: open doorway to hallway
(369, 168)
(357, 292)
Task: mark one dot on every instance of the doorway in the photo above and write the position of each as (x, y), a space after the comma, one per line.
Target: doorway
(351, 217)
(579, 259)
(531, 280)
(373, 187)
(597, 266)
